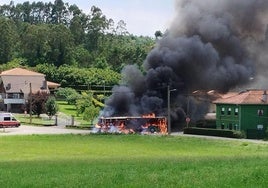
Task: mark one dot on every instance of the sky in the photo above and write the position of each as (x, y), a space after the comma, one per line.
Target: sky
(142, 17)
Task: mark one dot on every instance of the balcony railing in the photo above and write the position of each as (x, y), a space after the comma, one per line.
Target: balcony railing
(12, 98)
(14, 101)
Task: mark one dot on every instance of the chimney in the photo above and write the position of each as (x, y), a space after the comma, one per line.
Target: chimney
(264, 96)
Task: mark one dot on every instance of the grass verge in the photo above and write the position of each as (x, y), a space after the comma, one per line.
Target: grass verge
(130, 161)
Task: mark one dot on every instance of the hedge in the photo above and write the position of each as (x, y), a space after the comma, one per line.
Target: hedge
(214, 132)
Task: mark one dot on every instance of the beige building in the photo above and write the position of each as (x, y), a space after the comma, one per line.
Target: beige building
(16, 85)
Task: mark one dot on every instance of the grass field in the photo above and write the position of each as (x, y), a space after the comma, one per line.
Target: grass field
(130, 161)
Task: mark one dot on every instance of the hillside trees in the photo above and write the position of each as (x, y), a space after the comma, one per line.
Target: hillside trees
(58, 34)
(8, 38)
(35, 47)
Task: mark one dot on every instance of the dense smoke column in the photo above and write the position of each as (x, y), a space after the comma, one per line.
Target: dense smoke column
(206, 48)
(211, 45)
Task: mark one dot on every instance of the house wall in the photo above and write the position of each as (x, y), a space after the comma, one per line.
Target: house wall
(241, 117)
(228, 117)
(254, 116)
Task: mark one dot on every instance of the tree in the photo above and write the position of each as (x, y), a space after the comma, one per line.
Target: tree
(96, 28)
(86, 106)
(59, 13)
(68, 94)
(121, 28)
(84, 102)
(90, 113)
(51, 107)
(8, 38)
(77, 27)
(35, 44)
(61, 44)
(158, 34)
(38, 102)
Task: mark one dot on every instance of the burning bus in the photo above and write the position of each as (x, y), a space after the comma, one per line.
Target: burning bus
(145, 124)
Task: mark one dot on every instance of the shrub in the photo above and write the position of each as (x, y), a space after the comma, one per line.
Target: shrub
(63, 93)
(68, 94)
(214, 132)
(51, 107)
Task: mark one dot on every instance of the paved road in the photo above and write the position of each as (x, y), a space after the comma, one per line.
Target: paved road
(29, 130)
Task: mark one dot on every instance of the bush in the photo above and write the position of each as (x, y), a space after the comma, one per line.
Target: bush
(51, 107)
(214, 132)
(68, 94)
(211, 124)
(63, 93)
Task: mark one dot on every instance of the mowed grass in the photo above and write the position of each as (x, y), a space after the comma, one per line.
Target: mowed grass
(71, 110)
(66, 108)
(130, 161)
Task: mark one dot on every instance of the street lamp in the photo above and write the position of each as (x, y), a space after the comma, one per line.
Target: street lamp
(168, 99)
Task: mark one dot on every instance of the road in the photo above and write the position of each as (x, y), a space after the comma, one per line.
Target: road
(30, 130)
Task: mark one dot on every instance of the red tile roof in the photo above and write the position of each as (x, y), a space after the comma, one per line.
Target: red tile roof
(244, 97)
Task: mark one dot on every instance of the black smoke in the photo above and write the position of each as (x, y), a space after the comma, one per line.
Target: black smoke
(211, 45)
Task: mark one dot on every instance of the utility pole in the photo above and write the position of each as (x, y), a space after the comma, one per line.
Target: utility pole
(30, 101)
(168, 98)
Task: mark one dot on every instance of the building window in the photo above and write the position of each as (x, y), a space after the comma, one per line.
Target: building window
(236, 112)
(236, 127)
(260, 127)
(16, 95)
(222, 125)
(222, 111)
(229, 111)
(260, 112)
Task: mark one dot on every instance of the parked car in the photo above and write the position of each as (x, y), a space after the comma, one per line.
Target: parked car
(7, 120)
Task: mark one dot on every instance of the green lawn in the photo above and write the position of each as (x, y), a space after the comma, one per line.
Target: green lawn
(25, 119)
(70, 110)
(130, 161)
(66, 108)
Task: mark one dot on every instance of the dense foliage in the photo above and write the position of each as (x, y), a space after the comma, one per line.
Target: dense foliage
(73, 77)
(61, 34)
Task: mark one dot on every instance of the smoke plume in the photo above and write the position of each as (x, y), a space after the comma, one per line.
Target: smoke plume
(211, 45)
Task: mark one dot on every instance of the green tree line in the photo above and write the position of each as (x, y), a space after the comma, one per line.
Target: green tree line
(60, 34)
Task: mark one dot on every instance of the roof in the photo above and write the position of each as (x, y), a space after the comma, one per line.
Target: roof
(52, 84)
(244, 97)
(20, 72)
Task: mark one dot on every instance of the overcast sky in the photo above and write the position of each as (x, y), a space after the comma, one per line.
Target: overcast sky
(143, 17)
